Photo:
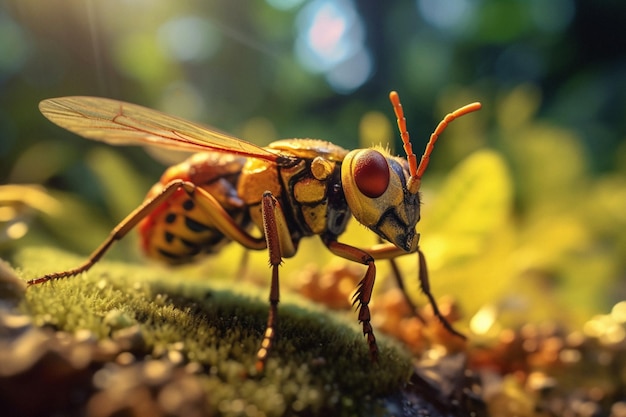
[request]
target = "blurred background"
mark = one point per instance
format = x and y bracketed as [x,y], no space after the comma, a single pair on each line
[524,209]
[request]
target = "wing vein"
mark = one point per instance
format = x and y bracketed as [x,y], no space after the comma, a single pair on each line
[120,123]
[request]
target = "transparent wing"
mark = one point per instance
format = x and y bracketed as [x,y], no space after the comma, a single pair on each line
[120,123]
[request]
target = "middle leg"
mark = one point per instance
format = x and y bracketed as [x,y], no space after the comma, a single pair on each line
[279,244]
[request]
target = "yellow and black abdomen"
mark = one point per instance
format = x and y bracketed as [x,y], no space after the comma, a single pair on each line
[178,230]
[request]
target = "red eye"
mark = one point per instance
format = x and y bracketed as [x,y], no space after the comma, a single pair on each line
[371,173]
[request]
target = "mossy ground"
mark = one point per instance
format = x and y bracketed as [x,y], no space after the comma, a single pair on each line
[320,363]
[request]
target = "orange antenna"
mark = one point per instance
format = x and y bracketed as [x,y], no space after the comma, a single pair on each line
[415,170]
[404,134]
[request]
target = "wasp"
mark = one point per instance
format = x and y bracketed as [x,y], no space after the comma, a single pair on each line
[263,198]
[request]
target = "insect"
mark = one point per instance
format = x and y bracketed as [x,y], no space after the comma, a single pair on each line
[289,190]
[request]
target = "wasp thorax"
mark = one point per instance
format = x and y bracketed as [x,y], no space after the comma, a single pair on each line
[375,186]
[321,168]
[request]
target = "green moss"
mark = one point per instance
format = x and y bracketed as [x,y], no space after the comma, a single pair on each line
[320,362]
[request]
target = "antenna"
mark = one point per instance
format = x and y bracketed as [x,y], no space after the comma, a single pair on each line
[416,171]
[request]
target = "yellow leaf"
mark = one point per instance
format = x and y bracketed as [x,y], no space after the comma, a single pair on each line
[474,201]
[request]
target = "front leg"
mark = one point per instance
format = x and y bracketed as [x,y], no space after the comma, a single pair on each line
[389,251]
[363,293]
[279,244]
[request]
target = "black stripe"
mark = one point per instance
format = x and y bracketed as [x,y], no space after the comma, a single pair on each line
[168,254]
[195,226]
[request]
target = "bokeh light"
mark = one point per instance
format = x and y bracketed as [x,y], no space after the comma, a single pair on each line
[284,4]
[14,48]
[331,41]
[553,16]
[189,38]
[447,15]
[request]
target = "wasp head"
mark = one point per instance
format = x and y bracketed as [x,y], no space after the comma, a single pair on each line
[382,190]
[376,187]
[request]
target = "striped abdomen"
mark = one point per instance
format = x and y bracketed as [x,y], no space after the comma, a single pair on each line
[178,229]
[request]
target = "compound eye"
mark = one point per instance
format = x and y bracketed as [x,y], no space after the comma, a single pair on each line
[371,173]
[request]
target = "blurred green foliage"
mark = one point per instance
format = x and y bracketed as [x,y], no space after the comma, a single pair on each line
[524,203]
